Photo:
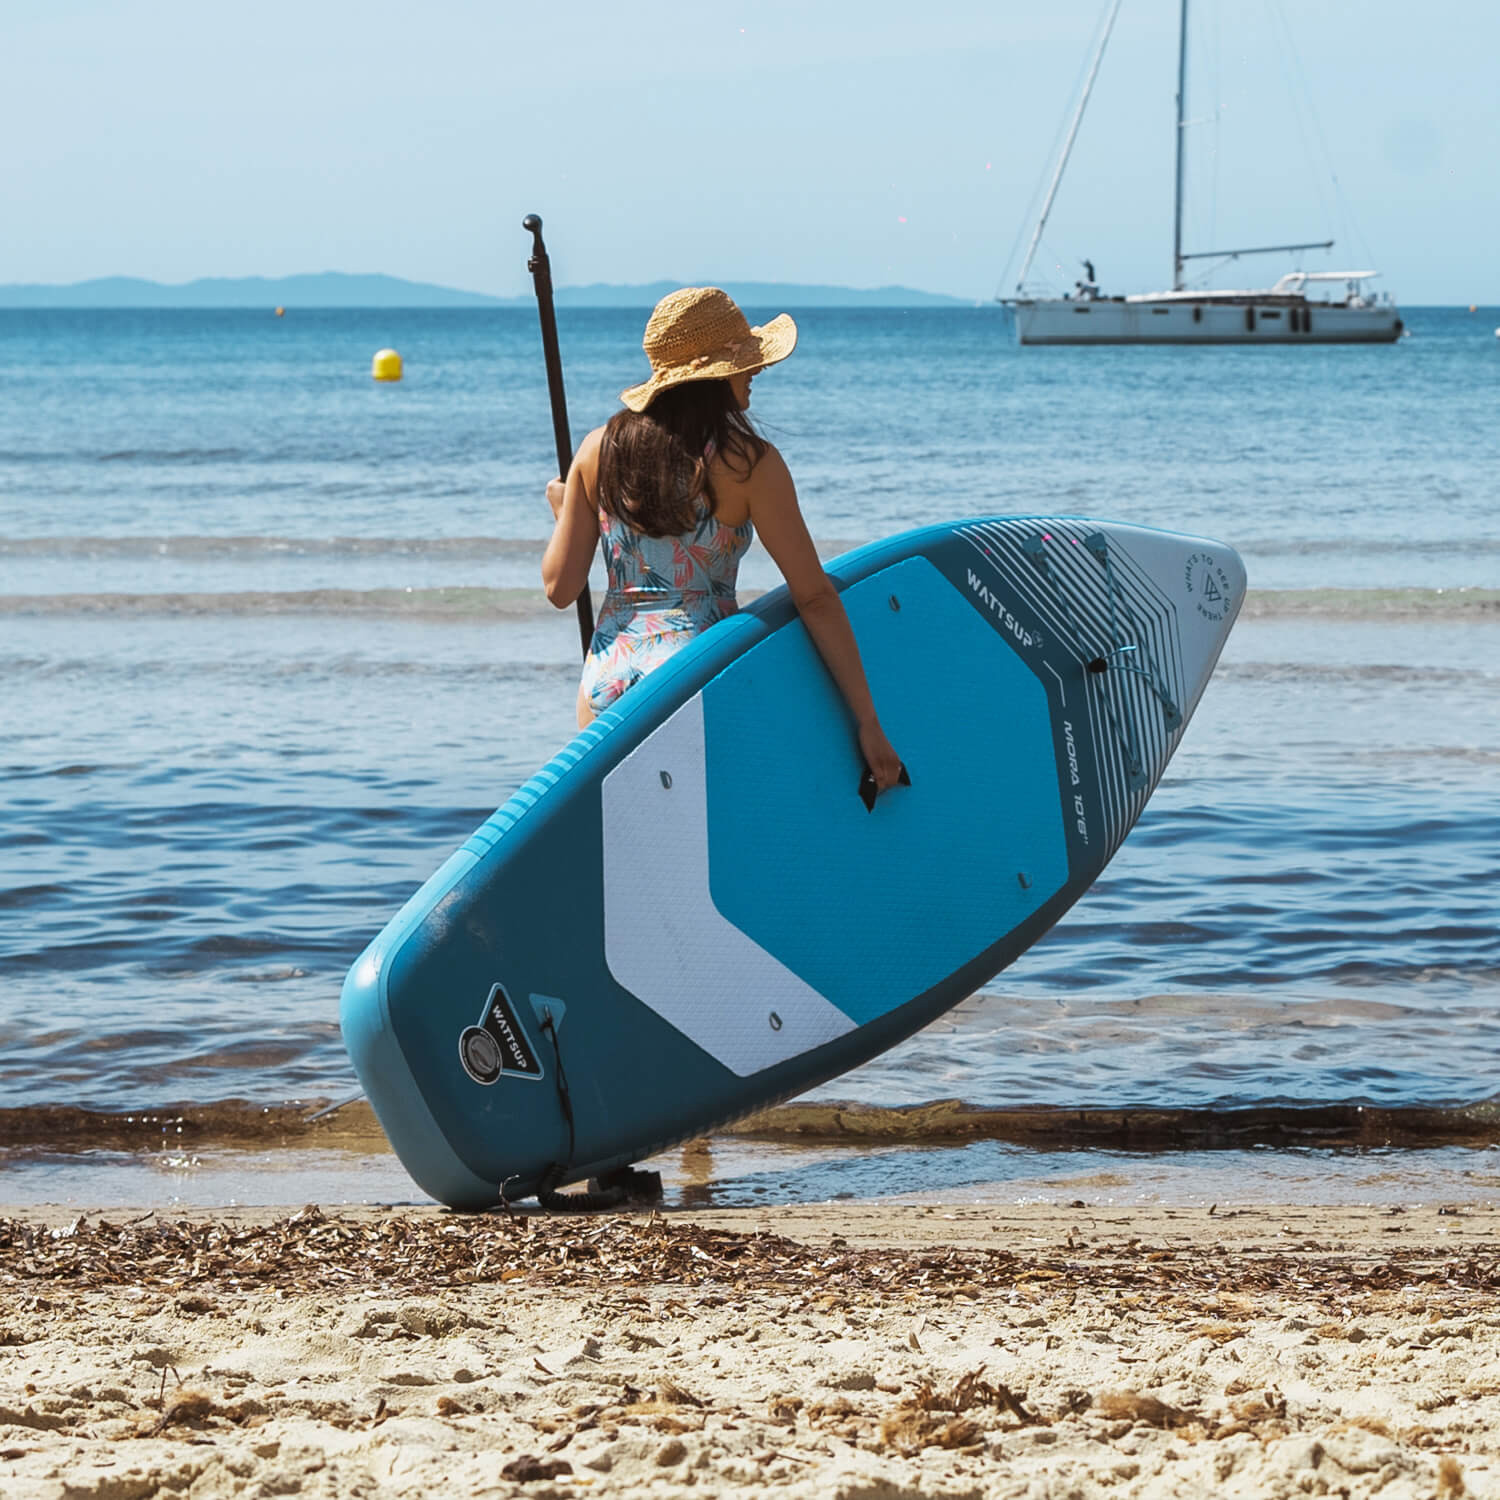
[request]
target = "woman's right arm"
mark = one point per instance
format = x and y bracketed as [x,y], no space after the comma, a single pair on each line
[778,520]
[575,529]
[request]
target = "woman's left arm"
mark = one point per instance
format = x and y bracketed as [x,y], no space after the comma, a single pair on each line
[575,531]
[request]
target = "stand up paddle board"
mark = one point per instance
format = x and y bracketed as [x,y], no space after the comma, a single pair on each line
[692,911]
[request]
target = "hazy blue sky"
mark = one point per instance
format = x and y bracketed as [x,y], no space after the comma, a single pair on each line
[813,140]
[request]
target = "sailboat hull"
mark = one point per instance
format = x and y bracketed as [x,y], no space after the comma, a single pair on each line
[1185,321]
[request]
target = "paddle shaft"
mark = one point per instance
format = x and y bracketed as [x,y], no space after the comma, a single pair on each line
[541,275]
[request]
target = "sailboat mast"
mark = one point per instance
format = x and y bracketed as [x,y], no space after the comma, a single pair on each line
[1062,160]
[1181,130]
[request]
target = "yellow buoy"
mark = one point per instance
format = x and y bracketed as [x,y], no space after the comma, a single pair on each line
[386,365]
[281,312]
[1473,307]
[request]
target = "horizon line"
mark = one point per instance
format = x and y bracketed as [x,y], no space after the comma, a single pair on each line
[271,283]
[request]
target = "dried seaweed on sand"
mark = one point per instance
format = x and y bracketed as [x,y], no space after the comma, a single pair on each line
[310,1251]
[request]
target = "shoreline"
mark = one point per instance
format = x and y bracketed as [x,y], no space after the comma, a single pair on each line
[844,1350]
[239,1155]
[751,1176]
[350,1124]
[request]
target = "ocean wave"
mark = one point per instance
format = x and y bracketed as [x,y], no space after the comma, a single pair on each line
[1367,546]
[452,603]
[172,455]
[471,602]
[350,1124]
[255,547]
[1320,673]
[1371,604]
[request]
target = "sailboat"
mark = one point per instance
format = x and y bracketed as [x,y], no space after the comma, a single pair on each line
[1290,311]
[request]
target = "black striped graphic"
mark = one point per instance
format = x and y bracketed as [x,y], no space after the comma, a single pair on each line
[1076,629]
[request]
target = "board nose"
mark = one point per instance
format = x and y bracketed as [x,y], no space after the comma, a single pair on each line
[1202,580]
[1213,582]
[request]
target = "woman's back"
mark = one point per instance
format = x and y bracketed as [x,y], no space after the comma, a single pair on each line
[662,590]
[672,484]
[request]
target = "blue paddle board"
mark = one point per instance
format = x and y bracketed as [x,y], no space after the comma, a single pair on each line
[691,912]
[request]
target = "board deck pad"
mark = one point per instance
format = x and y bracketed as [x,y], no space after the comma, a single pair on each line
[690,913]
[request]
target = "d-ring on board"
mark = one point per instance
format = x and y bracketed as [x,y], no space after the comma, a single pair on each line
[664,939]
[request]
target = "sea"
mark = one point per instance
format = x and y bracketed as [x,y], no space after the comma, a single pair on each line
[272,643]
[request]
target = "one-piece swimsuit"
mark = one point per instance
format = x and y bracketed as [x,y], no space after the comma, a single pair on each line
[662,592]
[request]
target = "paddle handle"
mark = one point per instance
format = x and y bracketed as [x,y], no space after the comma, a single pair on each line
[869,791]
[541,276]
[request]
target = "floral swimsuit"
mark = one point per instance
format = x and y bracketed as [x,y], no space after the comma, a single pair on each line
[662,592]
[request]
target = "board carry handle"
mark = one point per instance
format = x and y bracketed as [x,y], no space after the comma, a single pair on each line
[868,791]
[541,276]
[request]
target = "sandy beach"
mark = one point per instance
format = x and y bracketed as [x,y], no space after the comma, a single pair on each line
[851,1350]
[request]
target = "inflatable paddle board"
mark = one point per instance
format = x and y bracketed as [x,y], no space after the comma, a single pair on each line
[692,911]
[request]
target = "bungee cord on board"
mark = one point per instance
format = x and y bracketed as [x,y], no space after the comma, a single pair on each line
[1122,723]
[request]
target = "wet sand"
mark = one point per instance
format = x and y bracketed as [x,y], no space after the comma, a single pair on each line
[852,1350]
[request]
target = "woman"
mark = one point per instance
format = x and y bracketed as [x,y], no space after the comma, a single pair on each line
[677,485]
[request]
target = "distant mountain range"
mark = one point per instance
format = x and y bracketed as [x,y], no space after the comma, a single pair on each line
[336,289]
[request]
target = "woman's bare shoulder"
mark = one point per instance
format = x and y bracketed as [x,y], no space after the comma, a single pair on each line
[586,459]
[769,466]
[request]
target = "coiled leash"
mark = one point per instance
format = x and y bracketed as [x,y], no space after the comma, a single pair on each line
[1097,546]
[1123,727]
[622,1187]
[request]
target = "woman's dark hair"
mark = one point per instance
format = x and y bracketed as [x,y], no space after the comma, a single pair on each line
[653,465]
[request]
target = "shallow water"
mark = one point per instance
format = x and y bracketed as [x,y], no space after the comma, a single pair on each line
[272,647]
[738,1174]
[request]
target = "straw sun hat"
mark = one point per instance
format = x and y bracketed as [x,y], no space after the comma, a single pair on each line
[699,334]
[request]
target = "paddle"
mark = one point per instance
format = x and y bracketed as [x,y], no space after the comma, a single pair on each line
[541,272]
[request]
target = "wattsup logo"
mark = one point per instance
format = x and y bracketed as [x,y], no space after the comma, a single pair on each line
[1208,584]
[497,1045]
